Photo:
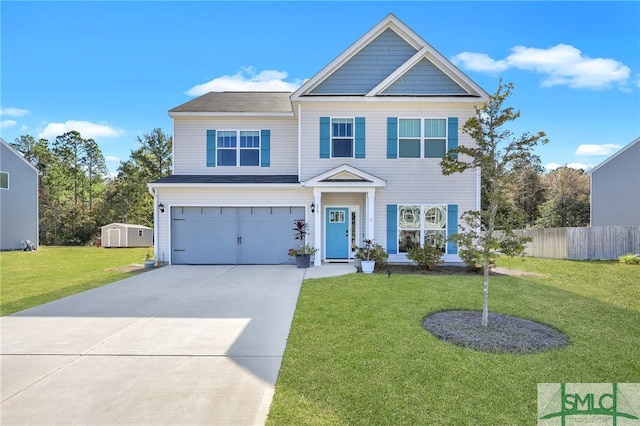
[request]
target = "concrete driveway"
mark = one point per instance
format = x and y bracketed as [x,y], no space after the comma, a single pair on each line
[179,345]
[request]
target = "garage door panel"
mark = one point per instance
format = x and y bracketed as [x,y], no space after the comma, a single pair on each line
[203,235]
[267,234]
[231,235]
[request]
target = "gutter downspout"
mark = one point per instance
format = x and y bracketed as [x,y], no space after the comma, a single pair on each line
[154,193]
[299,141]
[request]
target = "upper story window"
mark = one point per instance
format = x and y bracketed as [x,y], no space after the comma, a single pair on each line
[422,137]
[4,180]
[342,137]
[238,148]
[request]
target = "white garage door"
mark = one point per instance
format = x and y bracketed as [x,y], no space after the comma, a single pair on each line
[233,235]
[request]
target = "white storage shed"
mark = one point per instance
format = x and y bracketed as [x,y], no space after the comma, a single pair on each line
[126,235]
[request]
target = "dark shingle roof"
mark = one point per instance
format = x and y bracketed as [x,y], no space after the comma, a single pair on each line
[228,179]
[259,102]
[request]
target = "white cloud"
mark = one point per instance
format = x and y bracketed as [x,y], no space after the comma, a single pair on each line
[112,158]
[578,166]
[247,80]
[479,62]
[587,150]
[7,123]
[14,112]
[561,65]
[86,128]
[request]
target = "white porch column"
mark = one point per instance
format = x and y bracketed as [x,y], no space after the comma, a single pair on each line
[317,197]
[371,196]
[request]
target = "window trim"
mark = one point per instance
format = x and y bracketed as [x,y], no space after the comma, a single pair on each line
[7,175]
[352,137]
[423,138]
[238,149]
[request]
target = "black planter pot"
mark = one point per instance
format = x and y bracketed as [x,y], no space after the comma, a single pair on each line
[303,260]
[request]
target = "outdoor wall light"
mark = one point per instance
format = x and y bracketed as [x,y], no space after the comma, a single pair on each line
[313,208]
[161,207]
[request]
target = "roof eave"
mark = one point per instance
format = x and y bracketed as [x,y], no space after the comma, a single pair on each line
[176,114]
[152,185]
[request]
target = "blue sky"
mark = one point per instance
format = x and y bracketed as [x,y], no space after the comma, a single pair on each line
[112,70]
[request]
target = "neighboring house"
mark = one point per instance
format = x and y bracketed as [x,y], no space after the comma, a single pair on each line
[18,199]
[615,189]
[355,152]
[126,235]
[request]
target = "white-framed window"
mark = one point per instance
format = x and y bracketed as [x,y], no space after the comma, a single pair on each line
[4,180]
[139,232]
[422,224]
[422,137]
[342,137]
[238,147]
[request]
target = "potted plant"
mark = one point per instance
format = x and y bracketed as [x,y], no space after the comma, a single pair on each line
[149,261]
[370,255]
[368,264]
[302,254]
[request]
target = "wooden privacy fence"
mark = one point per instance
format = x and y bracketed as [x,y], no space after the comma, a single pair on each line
[593,243]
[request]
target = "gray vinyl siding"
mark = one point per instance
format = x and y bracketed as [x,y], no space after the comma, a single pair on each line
[615,190]
[190,145]
[19,203]
[408,180]
[370,66]
[425,79]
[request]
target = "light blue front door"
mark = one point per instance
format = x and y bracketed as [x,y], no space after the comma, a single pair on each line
[337,234]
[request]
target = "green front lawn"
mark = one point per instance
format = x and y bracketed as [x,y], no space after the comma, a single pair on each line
[358,355]
[32,278]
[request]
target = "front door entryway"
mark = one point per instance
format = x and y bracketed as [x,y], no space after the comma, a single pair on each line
[337,232]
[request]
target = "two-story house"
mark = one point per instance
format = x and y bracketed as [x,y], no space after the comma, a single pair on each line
[18,199]
[355,152]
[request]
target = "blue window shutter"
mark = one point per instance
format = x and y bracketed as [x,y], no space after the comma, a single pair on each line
[392,228]
[360,137]
[325,137]
[452,227]
[265,148]
[211,148]
[392,137]
[452,134]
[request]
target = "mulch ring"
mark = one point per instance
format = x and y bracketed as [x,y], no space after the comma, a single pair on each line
[503,334]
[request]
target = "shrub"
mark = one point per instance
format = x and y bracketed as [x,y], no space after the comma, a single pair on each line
[630,259]
[426,257]
[380,255]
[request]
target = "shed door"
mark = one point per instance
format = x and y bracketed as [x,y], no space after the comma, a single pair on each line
[113,238]
[233,235]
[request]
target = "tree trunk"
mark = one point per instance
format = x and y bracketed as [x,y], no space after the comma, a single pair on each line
[485,292]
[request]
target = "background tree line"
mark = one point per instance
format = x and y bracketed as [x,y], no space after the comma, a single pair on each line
[78,196]
[77,193]
[559,198]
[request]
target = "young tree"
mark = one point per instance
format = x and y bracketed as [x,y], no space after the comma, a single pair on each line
[499,155]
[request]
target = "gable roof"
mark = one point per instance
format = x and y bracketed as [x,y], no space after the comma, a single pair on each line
[234,103]
[398,62]
[345,175]
[620,152]
[19,155]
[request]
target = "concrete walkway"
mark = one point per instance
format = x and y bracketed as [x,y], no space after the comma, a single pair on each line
[179,345]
